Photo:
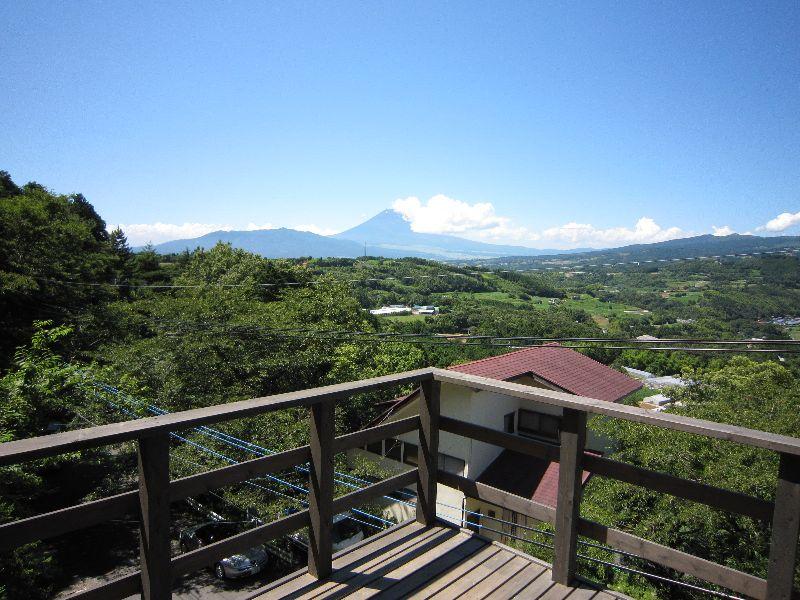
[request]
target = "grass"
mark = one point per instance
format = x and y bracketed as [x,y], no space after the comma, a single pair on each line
[599,309]
[601,312]
[405,318]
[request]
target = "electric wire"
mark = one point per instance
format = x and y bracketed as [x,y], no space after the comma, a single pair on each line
[463,521]
[479,526]
[487,271]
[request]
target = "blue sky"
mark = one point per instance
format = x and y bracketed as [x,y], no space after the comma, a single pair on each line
[549,125]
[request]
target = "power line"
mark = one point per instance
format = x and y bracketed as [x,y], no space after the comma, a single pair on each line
[232,441]
[192,326]
[495,342]
[199,325]
[487,271]
[583,263]
[332,279]
[646,574]
[243,445]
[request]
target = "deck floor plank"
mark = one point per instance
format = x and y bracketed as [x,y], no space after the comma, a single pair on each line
[535,579]
[477,573]
[352,577]
[439,568]
[293,586]
[437,584]
[495,580]
[402,568]
[413,562]
[555,592]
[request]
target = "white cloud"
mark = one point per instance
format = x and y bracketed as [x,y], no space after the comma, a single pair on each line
[257,227]
[315,229]
[781,223]
[142,233]
[721,231]
[645,231]
[442,214]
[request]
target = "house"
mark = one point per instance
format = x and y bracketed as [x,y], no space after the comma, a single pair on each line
[425,310]
[551,367]
[392,309]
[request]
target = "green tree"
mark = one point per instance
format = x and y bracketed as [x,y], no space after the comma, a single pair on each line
[52,256]
[40,392]
[758,395]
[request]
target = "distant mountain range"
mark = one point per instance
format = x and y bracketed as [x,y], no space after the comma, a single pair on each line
[388,234]
[691,247]
[389,231]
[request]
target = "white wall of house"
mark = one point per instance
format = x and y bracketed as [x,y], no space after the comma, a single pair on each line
[474,406]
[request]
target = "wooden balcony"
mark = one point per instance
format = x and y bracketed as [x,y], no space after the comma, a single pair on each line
[417,562]
[424,555]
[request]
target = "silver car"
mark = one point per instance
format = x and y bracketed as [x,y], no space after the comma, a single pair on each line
[242,564]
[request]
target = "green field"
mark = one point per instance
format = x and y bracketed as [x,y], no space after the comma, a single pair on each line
[602,312]
[405,318]
[598,308]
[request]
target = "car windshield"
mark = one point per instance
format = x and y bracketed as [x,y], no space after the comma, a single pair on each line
[217,531]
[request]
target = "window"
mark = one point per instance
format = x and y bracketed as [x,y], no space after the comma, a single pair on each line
[538,424]
[375,448]
[451,464]
[474,521]
[410,453]
[508,423]
[393,449]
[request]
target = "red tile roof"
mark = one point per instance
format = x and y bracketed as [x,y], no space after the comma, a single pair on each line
[525,476]
[563,367]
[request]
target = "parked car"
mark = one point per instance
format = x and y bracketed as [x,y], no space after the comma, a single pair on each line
[248,562]
[344,534]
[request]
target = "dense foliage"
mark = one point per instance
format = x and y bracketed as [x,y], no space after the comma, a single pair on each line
[84,344]
[763,396]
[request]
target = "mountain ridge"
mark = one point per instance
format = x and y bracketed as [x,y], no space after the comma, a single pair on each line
[706,245]
[390,225]
[389,235]
[386,234]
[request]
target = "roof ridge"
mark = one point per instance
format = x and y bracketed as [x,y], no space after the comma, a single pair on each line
[519,351]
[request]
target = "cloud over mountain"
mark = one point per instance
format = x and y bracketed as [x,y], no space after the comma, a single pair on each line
[141,233]
[781,223]
[442,214]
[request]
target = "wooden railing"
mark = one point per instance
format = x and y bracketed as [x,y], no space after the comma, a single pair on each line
[156,491]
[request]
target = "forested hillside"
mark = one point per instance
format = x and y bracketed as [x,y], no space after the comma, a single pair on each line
[94,333]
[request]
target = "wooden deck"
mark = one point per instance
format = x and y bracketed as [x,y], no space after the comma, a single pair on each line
[411,561]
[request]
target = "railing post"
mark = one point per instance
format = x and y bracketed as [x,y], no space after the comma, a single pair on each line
[320,496]
[154,529]
[428,462]
[573,441]
[785,523]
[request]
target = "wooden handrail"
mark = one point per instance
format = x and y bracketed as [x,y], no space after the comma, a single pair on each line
[156,492]
[712,496]
[570,491]
[722,431]
[428,456]
[73,518]
[737,581]
[59,443]
[196,559]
